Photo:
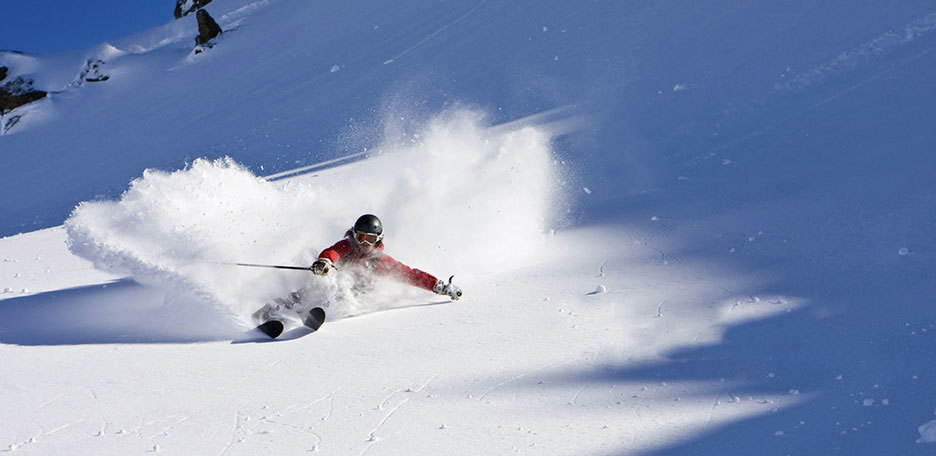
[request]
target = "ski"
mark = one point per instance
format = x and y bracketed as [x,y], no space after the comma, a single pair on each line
[272,328]
[315,318]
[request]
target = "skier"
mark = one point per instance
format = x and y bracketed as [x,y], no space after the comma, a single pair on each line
[361,253]
[363,247]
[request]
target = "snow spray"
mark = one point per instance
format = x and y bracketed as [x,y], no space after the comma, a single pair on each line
[459,199]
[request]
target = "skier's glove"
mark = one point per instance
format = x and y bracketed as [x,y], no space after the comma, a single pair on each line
[322,266]
[448,289]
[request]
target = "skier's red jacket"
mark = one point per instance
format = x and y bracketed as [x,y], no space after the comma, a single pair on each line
[345,252]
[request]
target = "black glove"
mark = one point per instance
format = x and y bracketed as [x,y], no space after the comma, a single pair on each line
[443,288]
[322,266]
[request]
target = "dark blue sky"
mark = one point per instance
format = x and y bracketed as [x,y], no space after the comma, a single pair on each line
[36,27]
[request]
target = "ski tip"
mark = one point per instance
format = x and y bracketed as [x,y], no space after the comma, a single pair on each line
[318,312]
[315,319]
[272,328]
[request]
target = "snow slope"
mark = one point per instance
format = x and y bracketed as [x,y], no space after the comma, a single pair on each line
[681,229]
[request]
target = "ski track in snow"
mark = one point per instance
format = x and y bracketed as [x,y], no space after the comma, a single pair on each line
[884,44]
[281,418]
[234,429]
[433,34]
[663,229]
[165,431]
[50,401]
[373,438]
[845,62]
[499,385]
[374,435]
[579,393]
[865,82]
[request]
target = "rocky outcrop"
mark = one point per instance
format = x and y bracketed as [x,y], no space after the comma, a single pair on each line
[208,29]
[93,71]
[13,94]
[186,7]
[17,92]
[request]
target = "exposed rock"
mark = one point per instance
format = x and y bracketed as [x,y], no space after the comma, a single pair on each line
[208,29]
[92,72]
[3,72]
[186,7]
[17,92]
[9,123]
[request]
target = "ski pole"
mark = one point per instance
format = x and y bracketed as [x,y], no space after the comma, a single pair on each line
[275,266]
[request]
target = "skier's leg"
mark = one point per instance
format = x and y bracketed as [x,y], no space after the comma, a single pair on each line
[291,302]
[264,313]
[275,308]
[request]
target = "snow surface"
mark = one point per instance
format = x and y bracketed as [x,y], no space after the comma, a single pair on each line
[680,229]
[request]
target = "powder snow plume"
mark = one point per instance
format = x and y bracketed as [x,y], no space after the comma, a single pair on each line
[461,199]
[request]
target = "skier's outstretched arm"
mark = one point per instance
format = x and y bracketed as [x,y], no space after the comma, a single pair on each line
[415,277]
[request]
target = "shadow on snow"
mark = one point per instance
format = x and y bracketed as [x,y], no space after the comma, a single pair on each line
[116,312]
[831,197]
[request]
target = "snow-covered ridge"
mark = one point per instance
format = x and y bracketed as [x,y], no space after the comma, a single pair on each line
[55,73]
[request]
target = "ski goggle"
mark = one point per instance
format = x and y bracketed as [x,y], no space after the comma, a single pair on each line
[367,238]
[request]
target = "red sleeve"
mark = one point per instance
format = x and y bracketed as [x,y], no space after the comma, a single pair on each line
[337,251]
[415,277]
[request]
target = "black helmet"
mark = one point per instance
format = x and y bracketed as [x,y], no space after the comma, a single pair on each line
[368,223]
[367,231]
